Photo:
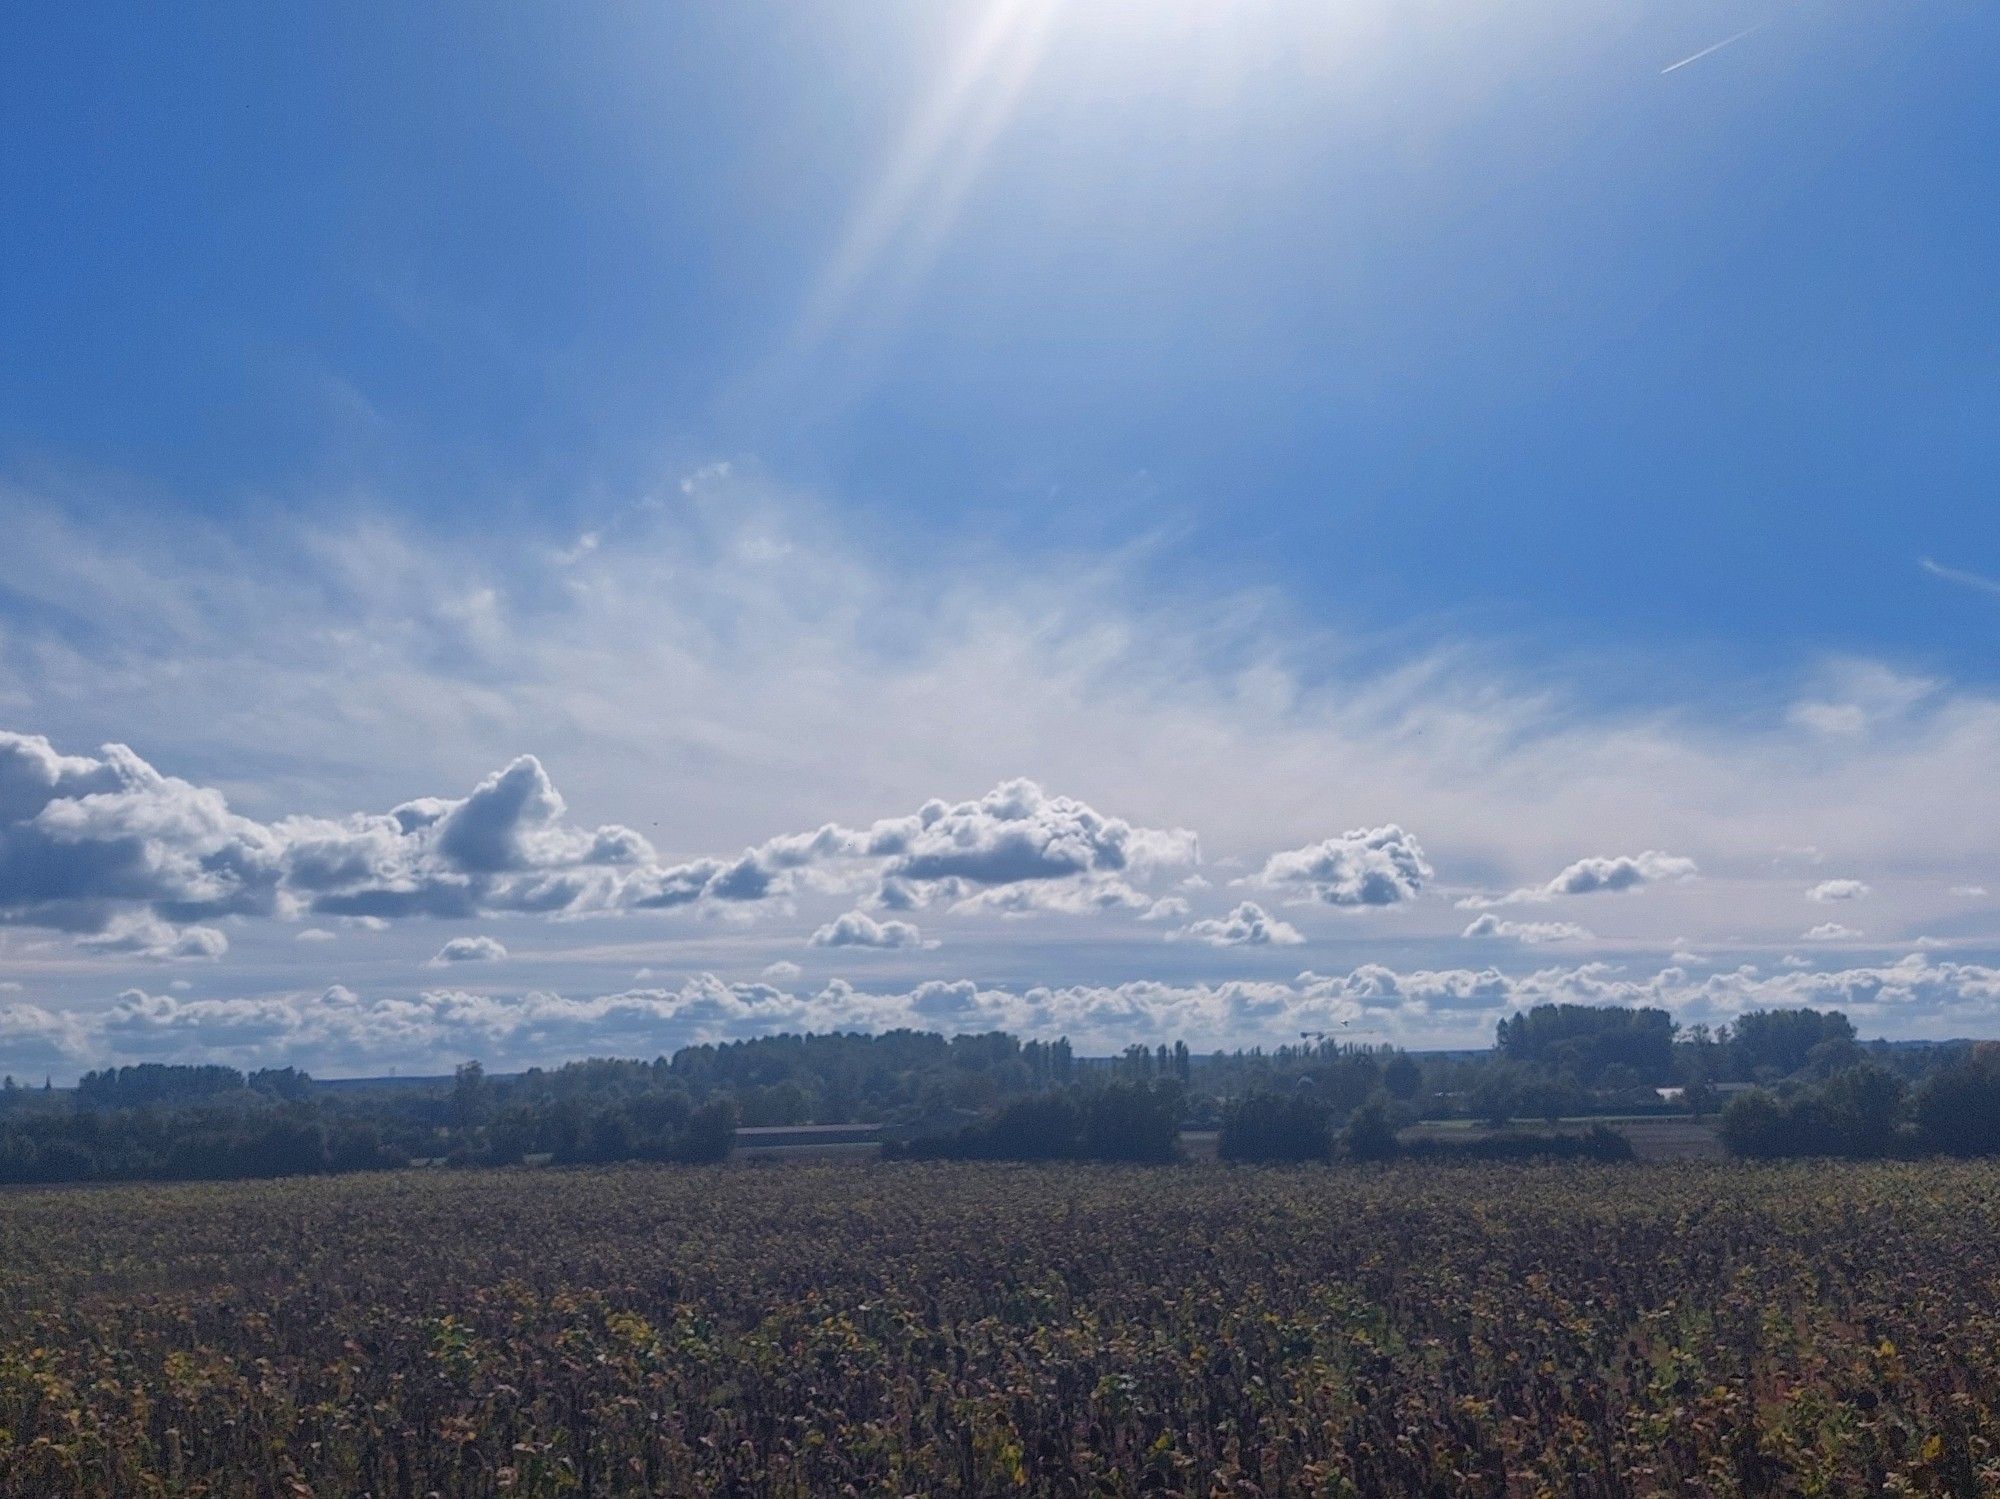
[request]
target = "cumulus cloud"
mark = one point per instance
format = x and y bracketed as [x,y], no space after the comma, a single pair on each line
[783,970]
[1249,925]
[469,950]
[792,673]
[1598,874]
[1363,867]
[338,1030]
[859,929]
[1087,896]
[314,934]
[37,1040]
[1533,932]
[89,841]
[1829,931]
[109,848]
[1839,890]
[155,941]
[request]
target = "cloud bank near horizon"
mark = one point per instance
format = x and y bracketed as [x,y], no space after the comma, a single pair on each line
[724,661]
[338,1031]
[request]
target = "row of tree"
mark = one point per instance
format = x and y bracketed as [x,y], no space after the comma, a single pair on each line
[1866,1110]
[1825,1094]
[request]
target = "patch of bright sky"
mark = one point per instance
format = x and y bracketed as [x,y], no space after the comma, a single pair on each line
[1444,317]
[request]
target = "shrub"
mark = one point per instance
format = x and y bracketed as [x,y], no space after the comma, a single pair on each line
[1371,1133]
[1120,1122]
[1271,1127]
[1854,1113]
[1958,1107]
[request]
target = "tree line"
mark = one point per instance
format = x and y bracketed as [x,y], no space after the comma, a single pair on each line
[1816,1090]
[1866,1110]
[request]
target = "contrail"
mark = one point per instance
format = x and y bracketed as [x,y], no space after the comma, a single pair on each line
[1958,575]
[1728,41]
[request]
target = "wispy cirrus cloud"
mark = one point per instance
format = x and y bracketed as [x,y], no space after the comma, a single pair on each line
[1960,576]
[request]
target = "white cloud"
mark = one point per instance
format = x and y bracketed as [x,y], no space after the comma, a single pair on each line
[1532,932]
[1964,577]
[469,950]
[1863,697]
[794,679]
[1971,892]
[1830,931]
[89,842]
[1249,925]
[314,934]
[859,929]
[1364,867]
[783,970]
[1839,890]
[35,1040]
[111,848]
[1596,875]
[1089,895]
[338,1030]
[155,941]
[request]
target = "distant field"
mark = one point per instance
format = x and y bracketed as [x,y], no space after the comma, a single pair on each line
[1654,1137]
[860,1328]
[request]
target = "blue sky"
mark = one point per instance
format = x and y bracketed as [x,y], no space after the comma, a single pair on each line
[1270,420]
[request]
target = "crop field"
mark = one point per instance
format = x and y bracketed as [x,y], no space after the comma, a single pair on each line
[844,1328]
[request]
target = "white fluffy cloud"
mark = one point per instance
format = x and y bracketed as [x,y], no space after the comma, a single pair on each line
[1839,890]
[723,662]
[1364,867]
[337,1030]
[110,848]
[1091,895]
[146,937]
[93,844]
[1532,932]
[859,929]
[1597,875]
[1830,931]
[469,950]
[1249,925]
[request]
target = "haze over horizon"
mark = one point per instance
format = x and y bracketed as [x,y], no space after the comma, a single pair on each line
[1187,521]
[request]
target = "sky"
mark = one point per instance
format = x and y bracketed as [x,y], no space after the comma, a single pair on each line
[595,528]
